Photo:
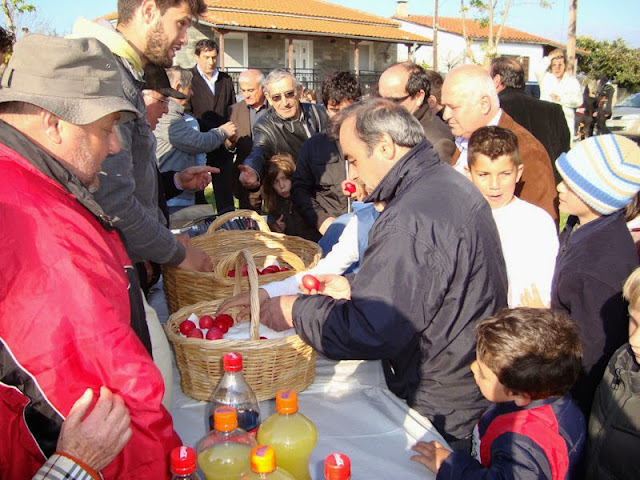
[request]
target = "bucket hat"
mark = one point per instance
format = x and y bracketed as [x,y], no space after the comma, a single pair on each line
[77,80]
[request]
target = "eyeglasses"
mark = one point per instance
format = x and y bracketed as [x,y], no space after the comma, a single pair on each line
[278,96]
[162,98]
[397,100]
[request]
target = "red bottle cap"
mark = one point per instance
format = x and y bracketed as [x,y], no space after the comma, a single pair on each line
[337,466]
[183,460]
[232,362]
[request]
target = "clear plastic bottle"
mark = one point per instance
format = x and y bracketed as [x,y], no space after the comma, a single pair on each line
[292,435]
[234,391]
[337,466]
[263,465]
[225,452]
[183,463]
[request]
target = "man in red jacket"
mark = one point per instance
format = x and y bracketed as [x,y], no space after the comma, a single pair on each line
[71,314]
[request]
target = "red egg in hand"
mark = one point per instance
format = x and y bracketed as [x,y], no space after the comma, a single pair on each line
[350,187]
[187,326]
[205,322]
[214,333]
[195,333]
[311,283]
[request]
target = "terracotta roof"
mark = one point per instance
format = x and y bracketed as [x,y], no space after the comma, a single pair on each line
[303,17]
[475,30]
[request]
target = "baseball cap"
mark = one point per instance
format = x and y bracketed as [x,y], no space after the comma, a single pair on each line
[155,78]
[77,80]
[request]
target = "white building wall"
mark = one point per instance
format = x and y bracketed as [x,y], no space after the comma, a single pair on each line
[451,49]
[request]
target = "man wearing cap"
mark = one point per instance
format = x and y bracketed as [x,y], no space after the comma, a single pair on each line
[69,296]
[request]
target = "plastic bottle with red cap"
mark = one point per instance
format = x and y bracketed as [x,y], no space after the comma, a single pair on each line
[225,452]
[263,465]
[292,435]
[337,466]
[234,391]
[183,463]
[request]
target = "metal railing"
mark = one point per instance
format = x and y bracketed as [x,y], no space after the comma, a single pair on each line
[313,77]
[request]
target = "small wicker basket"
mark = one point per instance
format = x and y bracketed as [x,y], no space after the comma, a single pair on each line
[186,287]
[268,365]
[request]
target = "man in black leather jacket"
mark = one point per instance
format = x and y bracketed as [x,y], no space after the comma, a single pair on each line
[283,129]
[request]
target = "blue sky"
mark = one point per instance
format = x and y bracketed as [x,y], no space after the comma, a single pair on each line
[618,19]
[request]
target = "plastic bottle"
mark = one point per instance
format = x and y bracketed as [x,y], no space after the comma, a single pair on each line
[225,453]
[337,466]
[234,391]
[292,435]
[183,463]
[263,465]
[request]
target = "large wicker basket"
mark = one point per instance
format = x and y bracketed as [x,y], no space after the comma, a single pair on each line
[268,365]
[186,287]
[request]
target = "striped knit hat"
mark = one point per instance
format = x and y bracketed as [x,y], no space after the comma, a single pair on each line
[604,171]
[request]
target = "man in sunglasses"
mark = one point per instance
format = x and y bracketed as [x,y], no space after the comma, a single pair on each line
[407,84]
[283,129]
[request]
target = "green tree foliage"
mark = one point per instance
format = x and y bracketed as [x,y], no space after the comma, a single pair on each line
[13,9]
[615,59]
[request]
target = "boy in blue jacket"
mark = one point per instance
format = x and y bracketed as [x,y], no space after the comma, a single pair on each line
[526,361]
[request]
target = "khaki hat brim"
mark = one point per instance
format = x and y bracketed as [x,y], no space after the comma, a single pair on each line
[77,111]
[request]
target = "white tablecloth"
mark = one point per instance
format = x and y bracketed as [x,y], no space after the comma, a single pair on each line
[354,412]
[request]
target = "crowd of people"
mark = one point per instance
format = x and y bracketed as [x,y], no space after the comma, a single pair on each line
[437,197]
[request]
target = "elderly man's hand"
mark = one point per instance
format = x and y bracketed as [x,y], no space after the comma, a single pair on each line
[248,177]
[102,435]
[242,300]
[231,130]
[332,285]
[195,178]
[277,313]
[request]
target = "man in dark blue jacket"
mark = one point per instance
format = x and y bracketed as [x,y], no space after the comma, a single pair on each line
[432,270]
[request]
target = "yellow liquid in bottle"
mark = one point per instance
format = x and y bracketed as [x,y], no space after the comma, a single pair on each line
[225,461]
[293,437]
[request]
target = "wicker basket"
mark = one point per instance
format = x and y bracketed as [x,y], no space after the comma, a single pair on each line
[186,287]
[268,365]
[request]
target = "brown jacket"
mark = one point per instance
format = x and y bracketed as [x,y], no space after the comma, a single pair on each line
[537,184]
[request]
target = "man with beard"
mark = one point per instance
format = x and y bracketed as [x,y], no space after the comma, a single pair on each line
[147,31]
[70,301]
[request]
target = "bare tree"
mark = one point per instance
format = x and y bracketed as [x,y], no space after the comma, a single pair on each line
[486,12]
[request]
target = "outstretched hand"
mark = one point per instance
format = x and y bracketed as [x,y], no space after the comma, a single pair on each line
[103,433]
[248,177]
[196,177]
[532,298]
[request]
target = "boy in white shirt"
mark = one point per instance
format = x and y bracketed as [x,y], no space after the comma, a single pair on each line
[528,234]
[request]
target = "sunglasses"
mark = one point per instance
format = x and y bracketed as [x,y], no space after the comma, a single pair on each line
[278,96]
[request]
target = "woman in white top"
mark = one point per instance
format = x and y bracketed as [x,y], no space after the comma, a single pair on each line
[557,86]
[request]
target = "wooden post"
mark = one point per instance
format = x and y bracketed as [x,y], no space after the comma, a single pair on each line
[221,52]
[356,57]
[435,36]
[571,41]
[290,53]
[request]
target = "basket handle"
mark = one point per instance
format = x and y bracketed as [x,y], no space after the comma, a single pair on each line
[224,218]
[254,300]
[224,265]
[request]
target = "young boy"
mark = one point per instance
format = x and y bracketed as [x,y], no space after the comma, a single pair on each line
[614,427]
[526,361]
[528,234]
[601,175]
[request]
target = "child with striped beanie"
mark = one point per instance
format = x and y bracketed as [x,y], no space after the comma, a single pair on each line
[600,176]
